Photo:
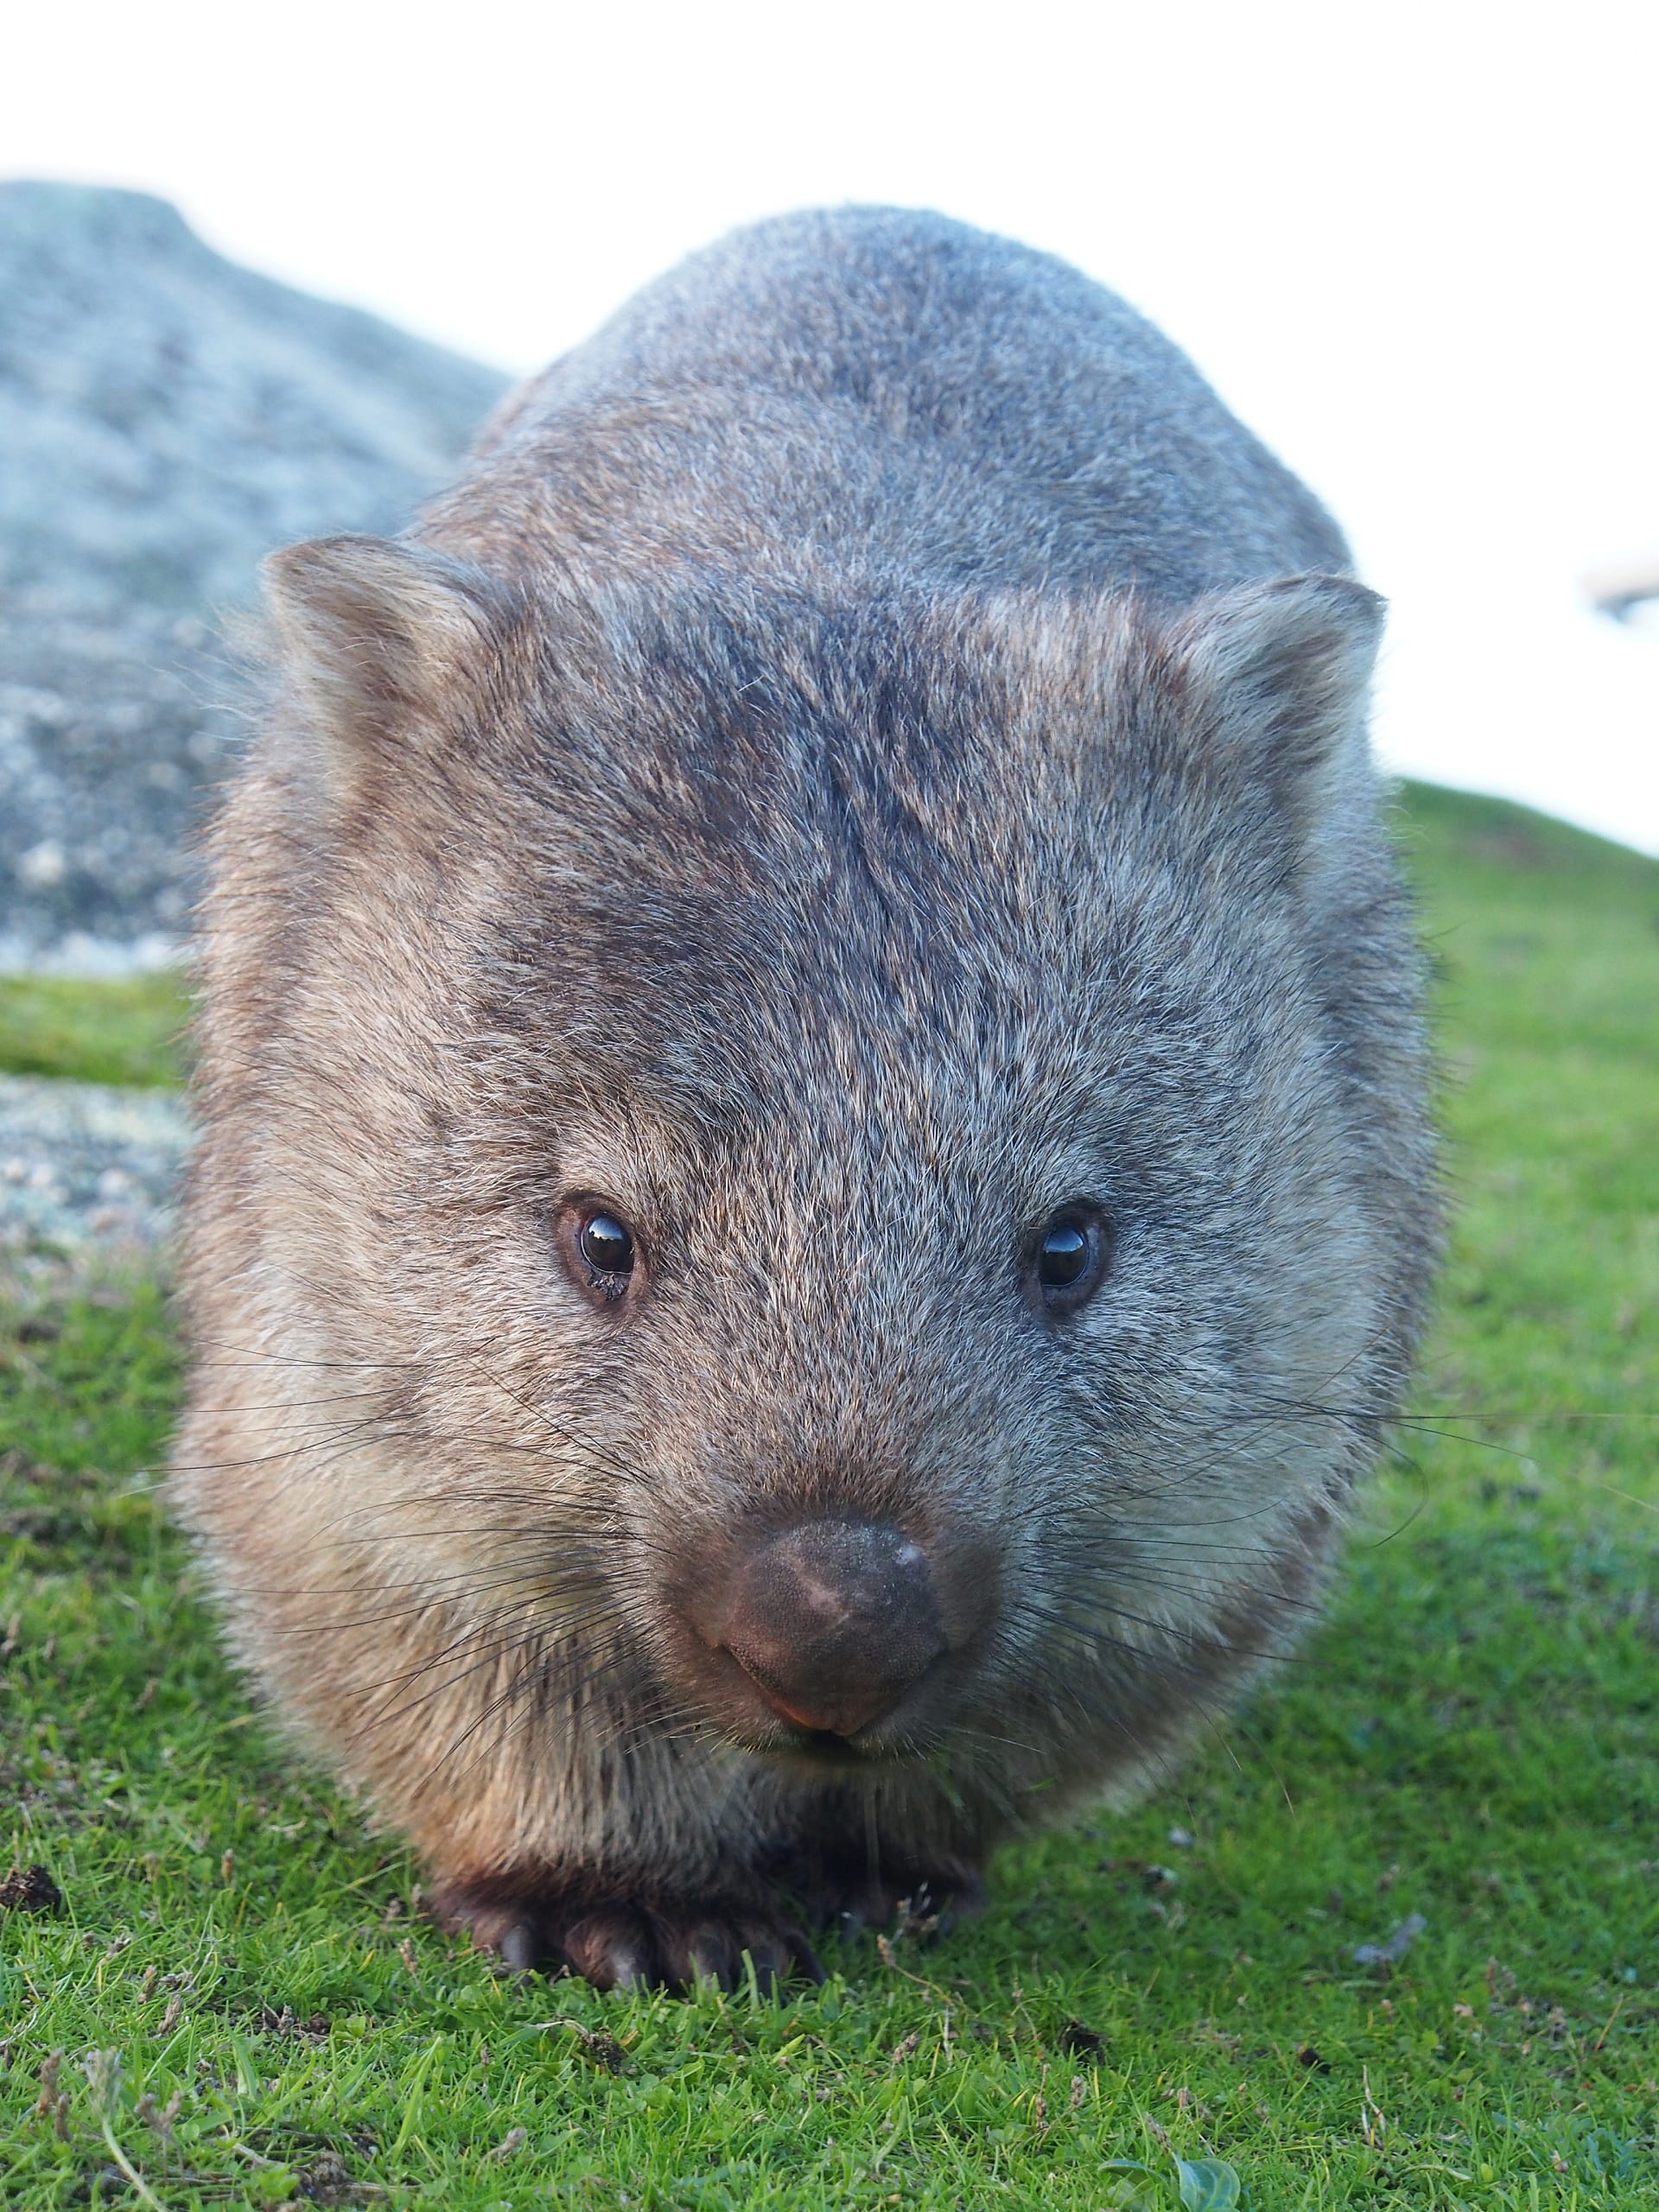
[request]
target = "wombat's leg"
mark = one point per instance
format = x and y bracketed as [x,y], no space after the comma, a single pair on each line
[620,1941]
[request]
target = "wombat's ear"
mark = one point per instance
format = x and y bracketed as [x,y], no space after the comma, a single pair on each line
[1274,679]
[375,636]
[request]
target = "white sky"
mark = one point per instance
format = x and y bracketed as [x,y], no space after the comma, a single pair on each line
[1414,245]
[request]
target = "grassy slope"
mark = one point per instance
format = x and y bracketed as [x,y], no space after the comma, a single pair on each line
[126,1032]
[1470,1737]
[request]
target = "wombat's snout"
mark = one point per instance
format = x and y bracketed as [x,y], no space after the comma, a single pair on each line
[832,1621]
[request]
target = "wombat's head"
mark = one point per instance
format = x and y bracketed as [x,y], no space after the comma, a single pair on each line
[878,1139]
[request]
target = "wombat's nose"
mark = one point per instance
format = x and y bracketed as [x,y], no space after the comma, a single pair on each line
[833,1621]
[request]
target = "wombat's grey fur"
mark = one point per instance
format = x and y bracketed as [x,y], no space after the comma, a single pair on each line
[814,1180]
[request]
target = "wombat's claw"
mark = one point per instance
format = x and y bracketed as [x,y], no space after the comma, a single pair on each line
[617,1944]
[921,1916]
[920,1906]
[624,1947]
[518,1948]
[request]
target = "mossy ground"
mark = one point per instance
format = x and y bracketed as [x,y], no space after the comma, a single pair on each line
[247,2009]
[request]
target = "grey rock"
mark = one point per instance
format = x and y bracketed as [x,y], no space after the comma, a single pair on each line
[87,1177]
[165,419]
[1390,1952]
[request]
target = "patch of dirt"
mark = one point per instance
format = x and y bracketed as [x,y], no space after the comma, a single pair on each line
[327,2179]
[596,2047]
[280,2020]
[30,1888]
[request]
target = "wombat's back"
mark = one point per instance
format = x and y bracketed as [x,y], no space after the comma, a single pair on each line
[887,393]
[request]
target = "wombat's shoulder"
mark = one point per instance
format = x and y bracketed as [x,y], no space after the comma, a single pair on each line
[972,409]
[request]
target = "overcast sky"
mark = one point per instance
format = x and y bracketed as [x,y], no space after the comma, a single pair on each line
[1413,246]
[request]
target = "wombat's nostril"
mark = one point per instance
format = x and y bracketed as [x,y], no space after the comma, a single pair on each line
[833,1621]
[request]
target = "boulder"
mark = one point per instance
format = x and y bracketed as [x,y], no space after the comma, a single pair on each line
[166,418]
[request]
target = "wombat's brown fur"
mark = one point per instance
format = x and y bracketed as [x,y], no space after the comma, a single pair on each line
[814,1181]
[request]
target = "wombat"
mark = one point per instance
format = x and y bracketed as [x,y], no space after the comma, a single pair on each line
[814,1179]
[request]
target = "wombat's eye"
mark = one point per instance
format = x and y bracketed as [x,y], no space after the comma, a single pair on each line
[1070,1258]
[606,1244]
[1064,1256]
[600,1251]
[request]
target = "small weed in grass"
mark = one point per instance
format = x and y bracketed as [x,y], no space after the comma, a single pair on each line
[91,1384]
[1392,1941]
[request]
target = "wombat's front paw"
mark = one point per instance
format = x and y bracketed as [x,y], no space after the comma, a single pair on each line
[619,1942]
[842,1892]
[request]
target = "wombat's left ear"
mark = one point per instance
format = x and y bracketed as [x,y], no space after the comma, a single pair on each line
[1273,681]
[378,637]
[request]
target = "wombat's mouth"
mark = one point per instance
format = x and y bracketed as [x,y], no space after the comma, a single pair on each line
[820,1751]
[819,1748]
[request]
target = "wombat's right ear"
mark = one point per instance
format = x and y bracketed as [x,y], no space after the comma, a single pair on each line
[1273,678]
[376,636]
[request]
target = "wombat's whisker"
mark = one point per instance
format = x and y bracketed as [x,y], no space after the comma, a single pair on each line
[1089,1630]
[489,1711]
[239,1352]
[483,1644]
[336,1438]
[540,1414]
[429,1601]
[1270,1593]
[523,1643]
[482,1652]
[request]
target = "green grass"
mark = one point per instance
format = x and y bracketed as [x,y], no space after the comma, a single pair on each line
[120,1032]
[1471,1737]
